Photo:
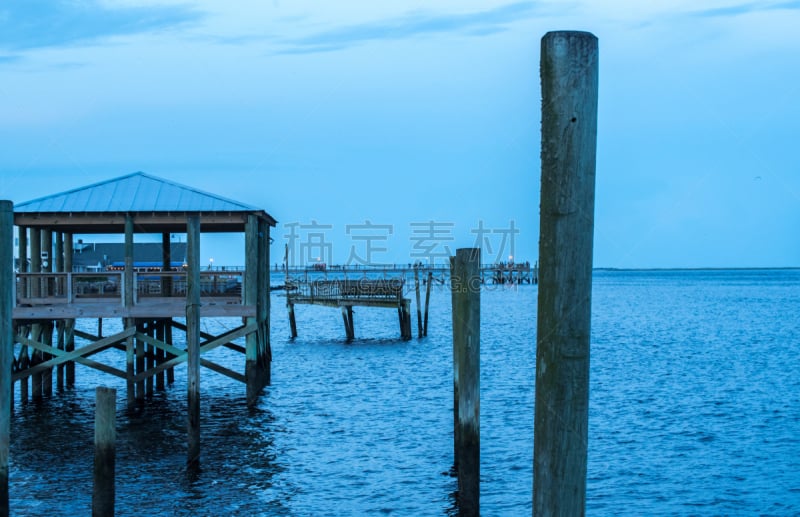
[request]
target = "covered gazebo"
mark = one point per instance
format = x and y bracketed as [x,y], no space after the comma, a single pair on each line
[49,296]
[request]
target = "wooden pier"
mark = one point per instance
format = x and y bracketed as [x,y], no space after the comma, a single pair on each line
[49,297]
[347,293]
[509,273]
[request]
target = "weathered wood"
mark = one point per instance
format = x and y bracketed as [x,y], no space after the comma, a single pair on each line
[465,283]
[178,356]
[7,282]
[569,76]
[130,362]
[263,305]
[161,354]
[145,308]
[150,359]
[75,355]
[193,337]
[36,291]
[347,316]
[105,454]
[427,301]
[127,277]
[139,366]
[168,339]
[69,346]
[420,332]
[166,263]
[251,298]
[292,321]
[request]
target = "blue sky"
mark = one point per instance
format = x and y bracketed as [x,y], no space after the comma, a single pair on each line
[395,132]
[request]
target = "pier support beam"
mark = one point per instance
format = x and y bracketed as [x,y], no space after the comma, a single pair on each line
[193,337]
[569,65]
[465,285]
[7,281]
[256,292]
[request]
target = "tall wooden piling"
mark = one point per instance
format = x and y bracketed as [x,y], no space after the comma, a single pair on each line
[427,302]
[69,325]
[105,454]
[36,292]
[419,309]
[193,337]
[569,71]
[465,285]
[7,281]
[127,300]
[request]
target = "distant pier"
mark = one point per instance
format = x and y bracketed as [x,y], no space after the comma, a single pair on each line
[499,273]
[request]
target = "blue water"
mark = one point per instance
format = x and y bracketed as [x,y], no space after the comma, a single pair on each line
[695,410]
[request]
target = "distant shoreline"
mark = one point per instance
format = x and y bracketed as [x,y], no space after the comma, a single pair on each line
[783,268]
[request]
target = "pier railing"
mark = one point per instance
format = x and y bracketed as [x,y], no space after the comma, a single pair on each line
[108,286]
[341,289]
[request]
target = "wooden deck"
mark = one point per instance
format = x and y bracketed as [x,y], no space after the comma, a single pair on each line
[52,296]
[346,294]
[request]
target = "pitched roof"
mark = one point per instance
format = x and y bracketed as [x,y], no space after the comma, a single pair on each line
[155,204]
[137,192]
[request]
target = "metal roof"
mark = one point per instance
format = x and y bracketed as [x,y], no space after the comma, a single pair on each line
[156,205]
[137,192]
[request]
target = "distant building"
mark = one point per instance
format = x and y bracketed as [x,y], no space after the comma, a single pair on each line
[103,256]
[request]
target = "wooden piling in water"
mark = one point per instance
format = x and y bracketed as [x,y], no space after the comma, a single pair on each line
[427,302]
[36,292]
[127,301]
[292,321]
[103,493]
[7,282]
[420,332]
[161,354]
[569,74]
[69,324]
[465,285]
[347,316]
[193,337]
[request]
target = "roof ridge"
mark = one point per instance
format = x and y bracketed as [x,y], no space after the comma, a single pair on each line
[143,175]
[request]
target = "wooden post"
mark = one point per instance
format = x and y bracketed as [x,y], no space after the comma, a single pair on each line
[127,302]
[168,339]
[25,292]
[160,354]
[262,314]
[465,284]
[292,322]
[420,332]
[569,65]
[150,358]
[166,264]
[347,316]
[61,287]
[427,302]
[251,267]
[36,292]
[139,368]
[7,301]
[105,453]
[193,336]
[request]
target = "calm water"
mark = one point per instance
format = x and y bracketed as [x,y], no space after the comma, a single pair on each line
[695,410]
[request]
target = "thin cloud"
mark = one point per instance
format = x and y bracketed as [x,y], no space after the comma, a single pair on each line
[750,7]
[35,24]
[479,23]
